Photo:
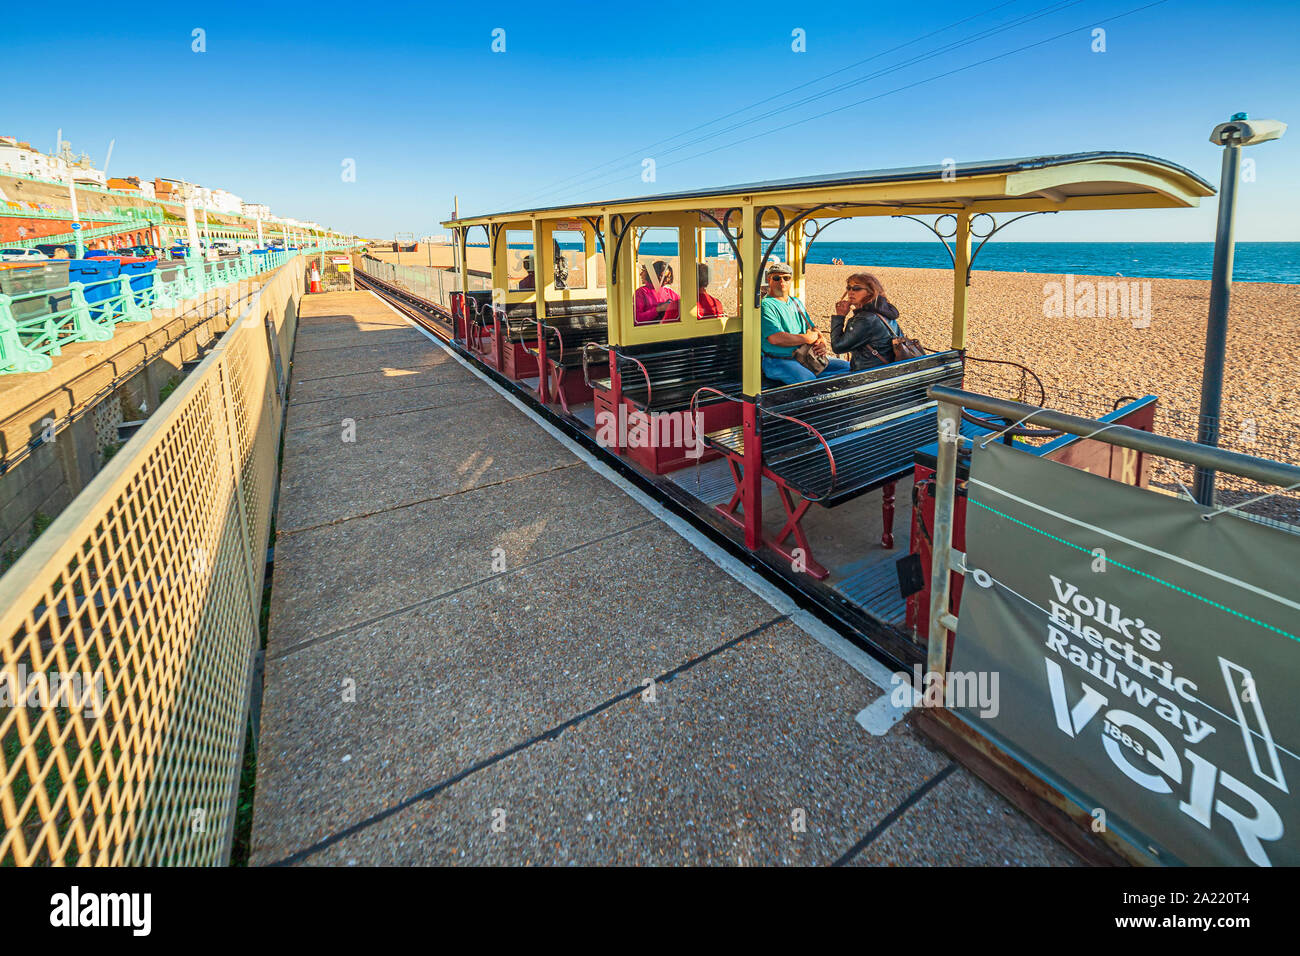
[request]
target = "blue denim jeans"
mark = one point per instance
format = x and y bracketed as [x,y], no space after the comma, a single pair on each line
[790,372]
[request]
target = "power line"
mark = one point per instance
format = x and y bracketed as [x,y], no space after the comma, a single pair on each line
[774,96]
[1055,7]
[930,79]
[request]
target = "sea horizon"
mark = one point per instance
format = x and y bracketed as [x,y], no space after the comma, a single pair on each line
[1253,261]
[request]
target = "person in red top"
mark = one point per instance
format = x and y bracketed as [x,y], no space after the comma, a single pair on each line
[707,306]
[655,301]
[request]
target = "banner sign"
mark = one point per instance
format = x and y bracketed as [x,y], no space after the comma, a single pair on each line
[1146,657]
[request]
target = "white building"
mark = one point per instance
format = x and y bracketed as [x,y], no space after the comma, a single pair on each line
[19,159]
[227,202]
[256,210]
[87,175]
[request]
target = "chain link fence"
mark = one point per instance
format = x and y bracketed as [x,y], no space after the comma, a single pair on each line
[432,285]
[128,630]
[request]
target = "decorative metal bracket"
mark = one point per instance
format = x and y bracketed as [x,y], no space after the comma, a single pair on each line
[993,229]
[783,228]
[464,240]
[594,222]
[621,226]
[813,228]
[494,231]
[724,226]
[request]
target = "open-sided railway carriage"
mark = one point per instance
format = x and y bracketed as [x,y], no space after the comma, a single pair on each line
[790,471]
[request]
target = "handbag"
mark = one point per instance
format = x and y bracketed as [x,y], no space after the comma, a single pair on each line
[903,346]
[810,360]
[804,354]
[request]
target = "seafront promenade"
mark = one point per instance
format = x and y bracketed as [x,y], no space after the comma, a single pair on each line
[483,650]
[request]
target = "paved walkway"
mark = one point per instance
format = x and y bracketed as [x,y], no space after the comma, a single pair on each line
[463,623]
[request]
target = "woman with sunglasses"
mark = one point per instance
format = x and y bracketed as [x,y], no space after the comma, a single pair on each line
[865,323]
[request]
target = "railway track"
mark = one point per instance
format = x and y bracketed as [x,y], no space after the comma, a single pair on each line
[883,642]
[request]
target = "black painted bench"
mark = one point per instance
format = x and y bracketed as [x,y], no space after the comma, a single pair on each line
[564,334]
[663,376]
[658,379]
[833,439]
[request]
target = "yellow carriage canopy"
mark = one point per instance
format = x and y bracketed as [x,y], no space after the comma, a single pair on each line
[753,218]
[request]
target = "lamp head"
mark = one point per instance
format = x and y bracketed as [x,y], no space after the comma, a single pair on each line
[1241,130]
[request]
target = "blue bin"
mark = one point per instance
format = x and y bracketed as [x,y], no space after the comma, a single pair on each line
[88,271]
[140,269]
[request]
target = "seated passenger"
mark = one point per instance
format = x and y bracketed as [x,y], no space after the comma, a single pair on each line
[655,302]
[528,282]
[706,305]
[867,333]
[785,327]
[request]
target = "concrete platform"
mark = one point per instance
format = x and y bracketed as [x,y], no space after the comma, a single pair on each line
[483,651]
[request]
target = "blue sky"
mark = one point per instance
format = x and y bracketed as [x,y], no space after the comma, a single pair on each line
[415,96]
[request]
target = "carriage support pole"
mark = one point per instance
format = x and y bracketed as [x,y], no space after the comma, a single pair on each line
[941,561]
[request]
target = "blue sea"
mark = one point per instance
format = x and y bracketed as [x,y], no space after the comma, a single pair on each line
[1254,261]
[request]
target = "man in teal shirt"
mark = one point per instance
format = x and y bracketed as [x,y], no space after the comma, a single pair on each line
[786,326]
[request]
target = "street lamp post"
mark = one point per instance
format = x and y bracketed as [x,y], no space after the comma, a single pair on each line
[1232,136]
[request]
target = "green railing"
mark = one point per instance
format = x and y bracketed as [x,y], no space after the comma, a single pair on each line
[35,326]
[64,238]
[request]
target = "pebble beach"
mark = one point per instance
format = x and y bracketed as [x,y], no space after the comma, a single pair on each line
[1087,361]
[1107,356]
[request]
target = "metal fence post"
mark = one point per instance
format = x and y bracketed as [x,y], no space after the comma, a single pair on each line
[85,327]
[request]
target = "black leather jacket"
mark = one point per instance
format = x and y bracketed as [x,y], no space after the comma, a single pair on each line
[866,327]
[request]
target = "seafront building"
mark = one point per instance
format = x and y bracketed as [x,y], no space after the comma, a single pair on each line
[19,158]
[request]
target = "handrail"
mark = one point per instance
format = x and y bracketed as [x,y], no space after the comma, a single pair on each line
[477,326]
[1025,370]
[523,339]
[541,342]
[585,365]
[544,361]
[1262,470]
[765,411]
[29,343]
[644,371]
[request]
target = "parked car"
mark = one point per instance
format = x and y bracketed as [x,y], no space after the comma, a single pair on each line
[21,255]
